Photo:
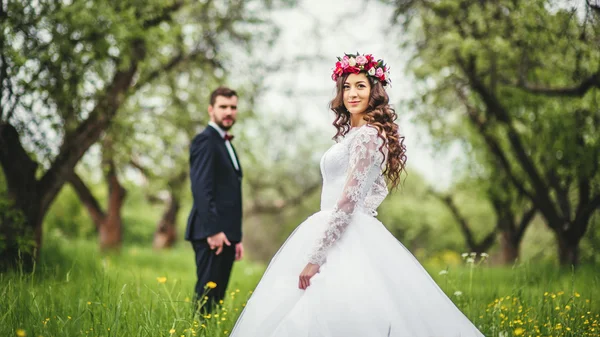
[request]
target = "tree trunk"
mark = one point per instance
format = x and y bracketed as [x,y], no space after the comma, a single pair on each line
[20,235]
[21,217]
[511,247]
[111,228]
[568,250]
[166,234]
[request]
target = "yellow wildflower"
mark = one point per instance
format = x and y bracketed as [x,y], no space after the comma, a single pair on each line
[161,279]
[519,331]
[21,333]
[211,285]
[172,331]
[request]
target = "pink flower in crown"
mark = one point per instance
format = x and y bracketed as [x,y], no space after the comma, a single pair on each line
[361,60]
[338,71]
[379,72]
[345,63]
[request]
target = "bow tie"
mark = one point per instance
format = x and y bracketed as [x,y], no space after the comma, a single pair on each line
[228,137]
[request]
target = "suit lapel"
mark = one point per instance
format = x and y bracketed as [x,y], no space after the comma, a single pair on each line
[238,160]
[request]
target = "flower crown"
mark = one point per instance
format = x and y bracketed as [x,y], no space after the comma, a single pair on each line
[356,63]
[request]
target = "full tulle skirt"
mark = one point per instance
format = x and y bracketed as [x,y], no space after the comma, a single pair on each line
[371,285]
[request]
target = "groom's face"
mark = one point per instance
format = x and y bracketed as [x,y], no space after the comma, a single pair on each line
[224,111]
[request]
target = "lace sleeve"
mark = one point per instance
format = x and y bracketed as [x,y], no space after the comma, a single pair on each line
[364,168]
[376,195]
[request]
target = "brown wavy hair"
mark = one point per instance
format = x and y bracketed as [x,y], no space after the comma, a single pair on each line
[380,115]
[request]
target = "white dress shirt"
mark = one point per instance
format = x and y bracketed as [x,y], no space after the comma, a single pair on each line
[227,144]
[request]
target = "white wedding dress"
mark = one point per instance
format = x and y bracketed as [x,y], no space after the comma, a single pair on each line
[369,284]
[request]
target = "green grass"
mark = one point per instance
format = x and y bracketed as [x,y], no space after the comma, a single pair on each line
[75,291]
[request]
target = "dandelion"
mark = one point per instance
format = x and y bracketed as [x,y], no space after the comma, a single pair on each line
[21,333]
[161,279]
[172,331]
[519,331]
[211,285]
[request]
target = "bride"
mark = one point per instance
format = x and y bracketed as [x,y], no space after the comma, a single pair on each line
[341,273]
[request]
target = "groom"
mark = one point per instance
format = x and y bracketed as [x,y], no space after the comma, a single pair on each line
[214,226]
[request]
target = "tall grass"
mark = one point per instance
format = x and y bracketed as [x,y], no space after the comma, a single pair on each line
[75,291]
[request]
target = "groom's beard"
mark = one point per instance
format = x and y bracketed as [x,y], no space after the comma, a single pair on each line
[225,123]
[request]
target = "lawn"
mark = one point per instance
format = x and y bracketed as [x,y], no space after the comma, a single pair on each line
[76,291]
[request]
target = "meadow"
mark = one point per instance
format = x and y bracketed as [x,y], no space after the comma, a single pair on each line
[76,291]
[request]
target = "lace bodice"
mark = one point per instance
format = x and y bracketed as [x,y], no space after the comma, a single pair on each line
[352,181]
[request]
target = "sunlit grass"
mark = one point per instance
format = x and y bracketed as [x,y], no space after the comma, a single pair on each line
[75,291]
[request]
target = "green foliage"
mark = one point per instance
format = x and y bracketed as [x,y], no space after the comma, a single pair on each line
[68,218]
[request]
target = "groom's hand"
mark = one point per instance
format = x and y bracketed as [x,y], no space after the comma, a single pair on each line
[216,242]
[239,251]
[309,271]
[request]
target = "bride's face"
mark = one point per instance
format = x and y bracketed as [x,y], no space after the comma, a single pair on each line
[357,91]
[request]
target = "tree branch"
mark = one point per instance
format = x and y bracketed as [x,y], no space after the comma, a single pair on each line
[88,132]
[143,170]
[542,197]
[595,7]
[174,62]
[462,221]
[164,16]
[525,221]
[577,90]
[492,144]
[87,198]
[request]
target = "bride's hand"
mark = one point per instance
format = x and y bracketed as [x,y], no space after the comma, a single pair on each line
[309,271]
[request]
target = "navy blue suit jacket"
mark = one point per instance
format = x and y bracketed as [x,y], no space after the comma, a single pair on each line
[216,188]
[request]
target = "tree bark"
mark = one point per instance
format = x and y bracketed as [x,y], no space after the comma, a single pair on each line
[166,233]
[88,199]
[511,248]
[21,223]
[111,228]
[568,250]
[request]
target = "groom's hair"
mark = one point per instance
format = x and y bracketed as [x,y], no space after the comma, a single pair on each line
[221,91]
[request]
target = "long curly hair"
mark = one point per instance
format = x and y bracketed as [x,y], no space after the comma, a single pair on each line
[380,115]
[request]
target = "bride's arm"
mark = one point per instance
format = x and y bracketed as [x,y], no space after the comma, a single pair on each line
[364,158]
